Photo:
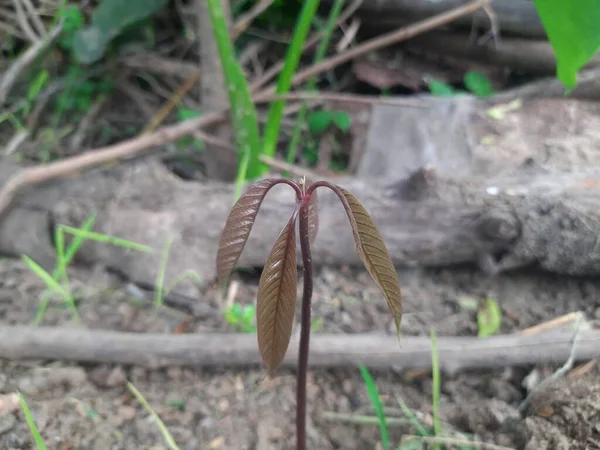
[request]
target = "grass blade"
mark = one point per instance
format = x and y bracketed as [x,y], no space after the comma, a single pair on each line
[284,82]
[312,82]
[37,437]
[243,112]
[373,394]
[104,238]
[160,276]
[63,261]
[52,284]
[163,429]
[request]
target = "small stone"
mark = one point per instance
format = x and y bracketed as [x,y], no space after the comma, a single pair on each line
[126,413]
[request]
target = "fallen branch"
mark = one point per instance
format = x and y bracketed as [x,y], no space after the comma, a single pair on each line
[513,16]
[156,350]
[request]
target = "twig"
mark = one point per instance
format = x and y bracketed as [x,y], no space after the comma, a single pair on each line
[383,41]
[162,136]
[327,350]
[25,26]
[164,111]
[245,20]
[35,18]
[271,162]
[16,141]
[257,84]
[22,62]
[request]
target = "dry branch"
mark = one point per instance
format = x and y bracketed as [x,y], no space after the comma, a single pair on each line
[513,16]
[155,350]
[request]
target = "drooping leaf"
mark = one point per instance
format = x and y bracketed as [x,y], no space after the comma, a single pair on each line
[238,226]
[373,252]
[276,303]
[313,217]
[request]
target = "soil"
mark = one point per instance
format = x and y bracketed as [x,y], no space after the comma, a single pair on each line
[90,406]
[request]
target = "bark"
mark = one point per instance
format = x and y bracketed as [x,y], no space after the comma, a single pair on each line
[531,216]
[498,212]
[155,350]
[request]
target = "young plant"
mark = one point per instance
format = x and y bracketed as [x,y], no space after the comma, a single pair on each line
[276,302]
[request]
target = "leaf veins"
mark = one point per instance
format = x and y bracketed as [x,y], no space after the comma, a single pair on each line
[238,226]
[276,303]
[374,254]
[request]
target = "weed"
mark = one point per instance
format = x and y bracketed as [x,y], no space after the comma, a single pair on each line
[37,438]
[58,282]
[241,317]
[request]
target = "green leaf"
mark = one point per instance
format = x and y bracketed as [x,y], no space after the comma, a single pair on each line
[573,31]
[318,122]
[478,84]
[441,89]
[37,84]
[342,120]
[489,318]
[73,18]
[109,19]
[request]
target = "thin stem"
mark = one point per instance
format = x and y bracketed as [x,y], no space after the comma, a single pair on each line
[304,328]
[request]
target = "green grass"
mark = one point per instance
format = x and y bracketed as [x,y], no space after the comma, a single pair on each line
[169,440]
[292,58]
[37,438]
[251,146]
[58,281]
[312,82]
[435,437]
[373,393]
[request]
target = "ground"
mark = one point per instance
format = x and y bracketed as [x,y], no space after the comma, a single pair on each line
[90,407]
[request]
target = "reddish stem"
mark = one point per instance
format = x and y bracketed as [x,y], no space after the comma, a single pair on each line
[304,328]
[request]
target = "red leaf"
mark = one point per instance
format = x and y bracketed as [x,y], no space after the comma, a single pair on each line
[373,253]
[238,226]
[276,303]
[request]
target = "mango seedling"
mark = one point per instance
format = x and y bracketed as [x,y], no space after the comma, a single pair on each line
[276,302]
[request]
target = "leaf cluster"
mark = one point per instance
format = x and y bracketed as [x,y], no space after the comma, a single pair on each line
[276,302]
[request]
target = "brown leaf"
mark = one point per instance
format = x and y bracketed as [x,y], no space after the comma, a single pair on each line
[313,217]
[374,254]
[276,302]
[238,226]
